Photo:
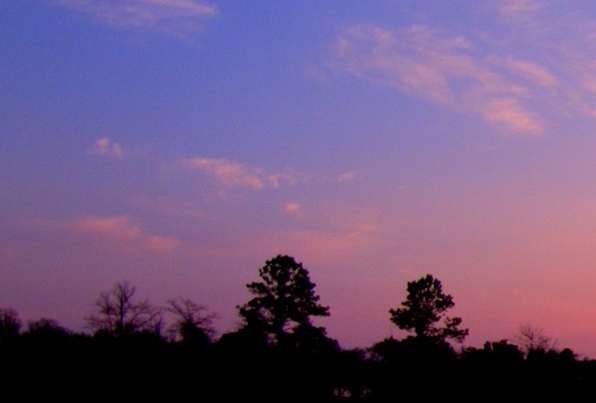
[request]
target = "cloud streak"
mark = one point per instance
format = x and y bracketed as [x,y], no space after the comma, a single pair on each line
[123,234]
[171,16]
[447,70]
[515,8]
[346,177]
[233,174]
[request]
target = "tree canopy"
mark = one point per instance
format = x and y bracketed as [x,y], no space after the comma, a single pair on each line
[284,302]
[424,312]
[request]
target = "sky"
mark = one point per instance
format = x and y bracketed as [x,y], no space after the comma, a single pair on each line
[179,144]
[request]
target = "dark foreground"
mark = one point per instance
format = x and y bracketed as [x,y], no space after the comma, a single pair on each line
[82,368]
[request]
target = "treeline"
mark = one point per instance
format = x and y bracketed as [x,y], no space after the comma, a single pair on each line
[277,354]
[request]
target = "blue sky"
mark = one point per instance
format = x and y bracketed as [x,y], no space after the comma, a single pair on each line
[178,144]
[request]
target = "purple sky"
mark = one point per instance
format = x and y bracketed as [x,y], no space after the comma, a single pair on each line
[179,144]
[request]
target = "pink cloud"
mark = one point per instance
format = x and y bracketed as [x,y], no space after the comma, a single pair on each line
[292,208]
[446,70]
[346,177]
[329,246]
[122,234]
[510,113]
[172,16]
[514,8]
[531,71]
[234,174]
[107,147]
[227,172]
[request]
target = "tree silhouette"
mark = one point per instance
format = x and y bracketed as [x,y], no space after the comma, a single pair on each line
[192,322]
[533,338]
[10,324]
[46,329]
[119,314]
[284,303]
[311,368]
[424,312]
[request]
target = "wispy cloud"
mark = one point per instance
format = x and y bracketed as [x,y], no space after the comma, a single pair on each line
[234,174]
[123,234]
[172,16]
[346,177]
[532,72]
[106,147]
[509,112]
[515,8]
[447,70]
[329,245]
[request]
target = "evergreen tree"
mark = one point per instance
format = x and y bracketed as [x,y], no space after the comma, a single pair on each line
[424,312]
[284,303]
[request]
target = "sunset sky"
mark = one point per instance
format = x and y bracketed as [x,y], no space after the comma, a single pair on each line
[179,144]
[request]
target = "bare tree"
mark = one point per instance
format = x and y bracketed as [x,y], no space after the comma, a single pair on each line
[532,338]
[119,314]
[192,323]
